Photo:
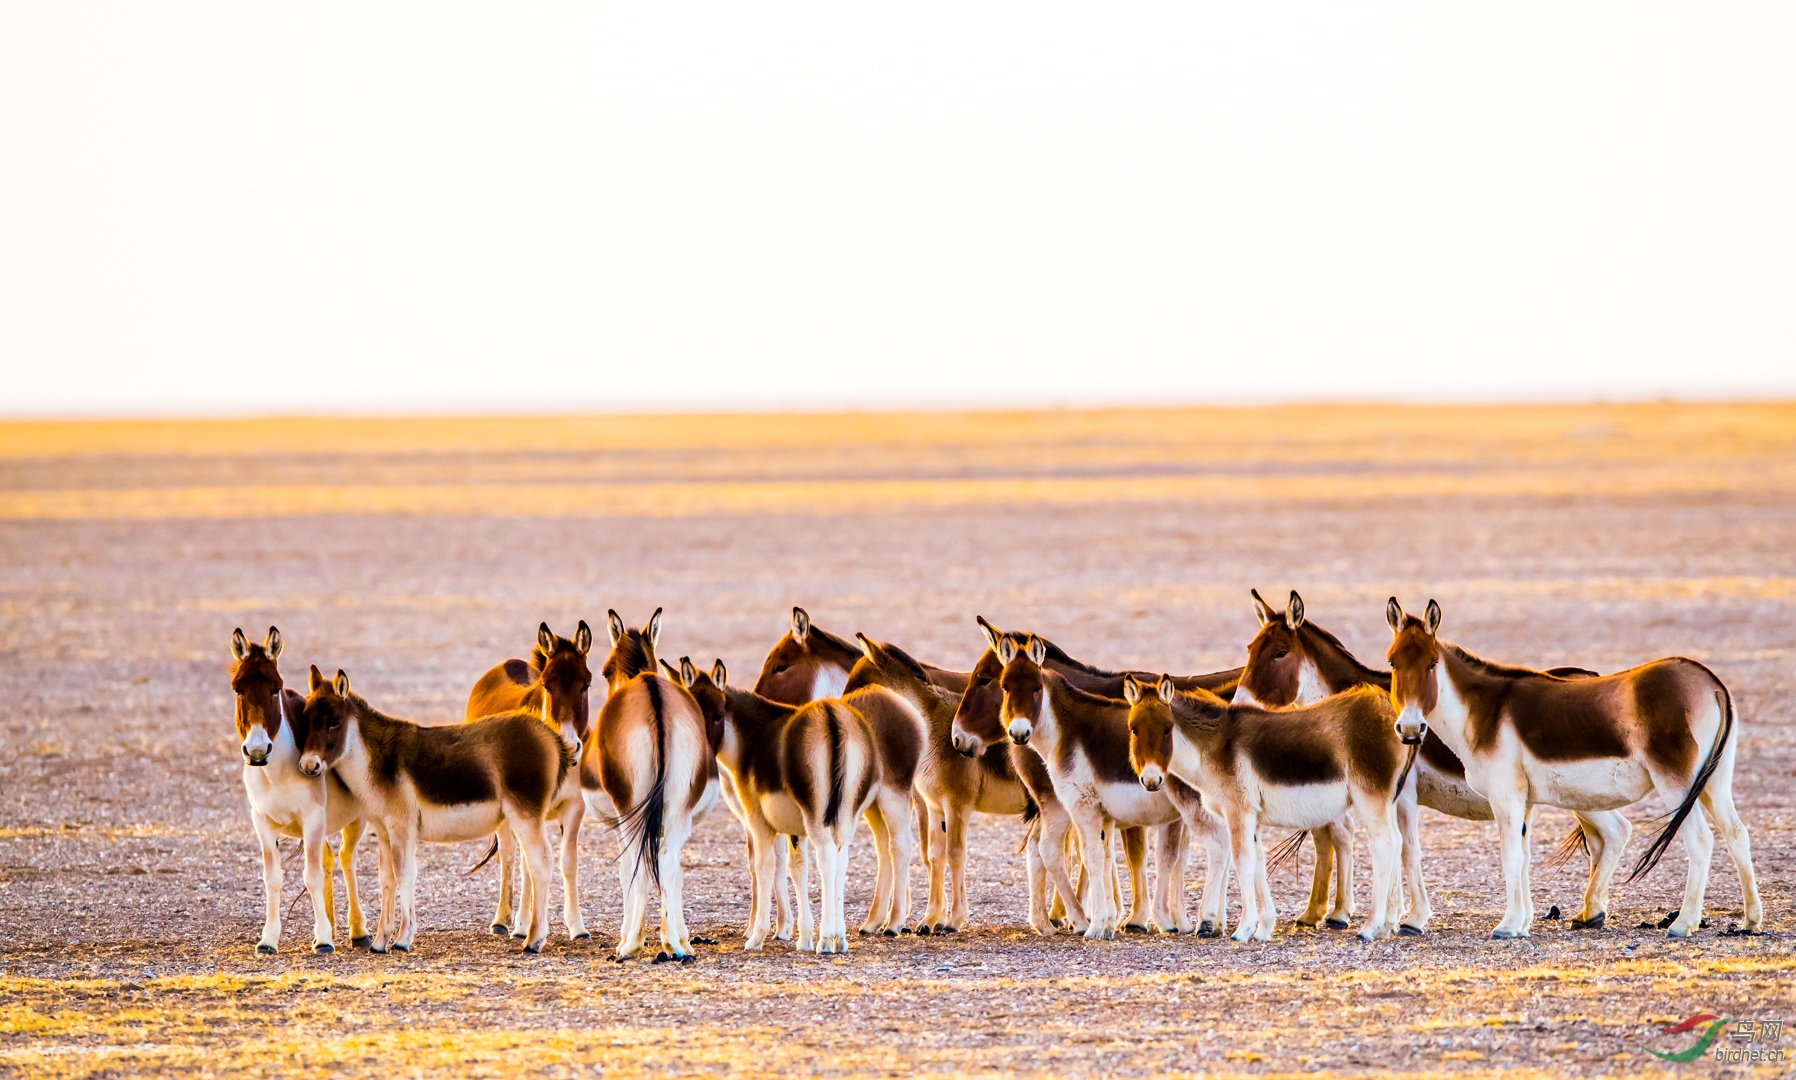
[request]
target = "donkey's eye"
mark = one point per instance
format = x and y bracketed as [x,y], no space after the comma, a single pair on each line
[1281,654]
[777,668]
[986,681]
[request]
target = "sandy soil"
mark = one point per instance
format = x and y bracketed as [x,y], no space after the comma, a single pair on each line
[132,884]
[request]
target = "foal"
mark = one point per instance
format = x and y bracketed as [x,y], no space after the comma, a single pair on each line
[439,785]
[811,770]
[284,801]
[1292,661]
[1584,744]
[1297,768]
[552,684]
[650,758]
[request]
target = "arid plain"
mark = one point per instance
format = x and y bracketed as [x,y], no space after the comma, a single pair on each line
[417,553]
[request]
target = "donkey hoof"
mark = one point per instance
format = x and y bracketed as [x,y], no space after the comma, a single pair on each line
[534,948]
[1595,922]
[324,947]
[583,937]
[922,930]
[1407,930]
[863,931]
[397,947]
[689,959]
[1134,928]
[662,958]
[378,950]
[904,930]
[1506,935]
[1553,913]
[944,928]
[703,940]
[264,950]
[519,934]
[891,933]
[1336,924]
[360,942]
[1206,929]
[500,929]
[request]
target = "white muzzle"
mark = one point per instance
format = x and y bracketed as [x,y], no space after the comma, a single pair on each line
[1020,730]
[1411,725]
[1152,777]
[257,745]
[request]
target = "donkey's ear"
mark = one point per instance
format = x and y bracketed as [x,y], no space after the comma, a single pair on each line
[239,644]
[314,679]
[688,673]
[1038,650]
[273,643]
[545,640]
[1261,609]
[1294,611]
[673,672]
[1393,614]
[992,633]
[801,624]
[1167,689]
[615,624]
[720,675]
[868,649]
[652,631]
[341,683]
[1432,618]
[1131,689]
[583,638]
[1006,649]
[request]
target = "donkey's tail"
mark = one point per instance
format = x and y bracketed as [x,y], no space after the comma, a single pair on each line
[484,859]
[645,823]
[1286,850]
[1031,818]
[1663,841]
[1574,842]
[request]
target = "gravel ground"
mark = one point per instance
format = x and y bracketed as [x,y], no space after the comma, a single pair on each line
[132,881]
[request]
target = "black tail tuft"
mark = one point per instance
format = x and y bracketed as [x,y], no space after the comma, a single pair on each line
[484,859]
[1662,841]
[646,822]
[838,769]
[1032,819]
[1286,851]
[1574,842]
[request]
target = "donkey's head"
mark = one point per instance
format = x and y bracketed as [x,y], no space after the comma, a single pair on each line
[256,680]
[978,719]
[1150,729]
[1414,656]
[1021,683]
[708,689]
[329,713]
[885,664]
[632,651]
[565,680]
[806,664]
[1274,675]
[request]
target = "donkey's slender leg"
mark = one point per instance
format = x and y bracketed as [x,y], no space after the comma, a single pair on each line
[1718,796]
[881,908]
[503,919]
[1340,916]
[405,882]
[674,937]
[1511,812]
[807,925]
[935,863]
[633,876]
[571,818]
[1242,828]
[1380,821]
[352,837]
[535,847]
[329,859]
[1409,826]
[1094,845]
[1170,911]
[957,868]
[1051,841]
[1213,833]
[1606,834]
[1317,910]
[271,882]
[1135,849]
[313,843]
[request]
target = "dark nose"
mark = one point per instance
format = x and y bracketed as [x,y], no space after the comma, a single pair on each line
[260,758]
[1151,785]
[1020,740]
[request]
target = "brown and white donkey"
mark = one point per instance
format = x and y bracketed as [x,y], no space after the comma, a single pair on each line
[1298,768]
[1586,744]
[1292,661]
[552,684]
[437,785]
[811,770]
[285,801]
[648,767]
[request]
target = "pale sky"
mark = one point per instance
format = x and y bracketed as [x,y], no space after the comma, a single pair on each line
[367,207]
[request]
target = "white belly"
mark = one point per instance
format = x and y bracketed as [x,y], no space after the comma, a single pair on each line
[783,813]
[1302,806]
[452,824]
[1602,784]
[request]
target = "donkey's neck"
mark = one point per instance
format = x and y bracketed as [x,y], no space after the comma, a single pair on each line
[1337,668]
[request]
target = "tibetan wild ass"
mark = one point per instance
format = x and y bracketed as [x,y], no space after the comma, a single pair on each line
[811,770]
[553,685]
[284,801]
[1298,768]
[650,759]
[438,785]
[1585,744]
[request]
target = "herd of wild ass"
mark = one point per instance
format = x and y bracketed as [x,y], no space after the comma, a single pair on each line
[1304,737]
